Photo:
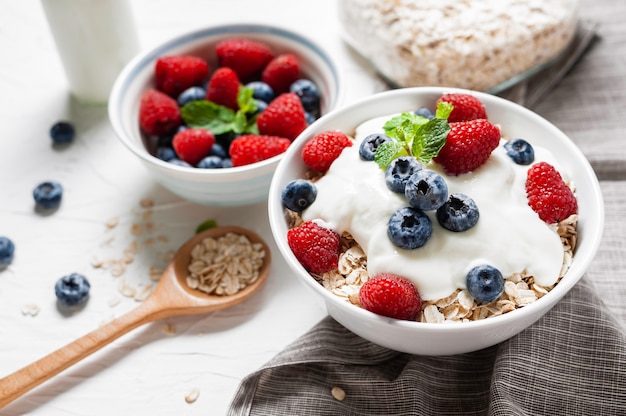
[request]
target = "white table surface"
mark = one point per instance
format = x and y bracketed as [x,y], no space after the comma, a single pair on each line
[150,370]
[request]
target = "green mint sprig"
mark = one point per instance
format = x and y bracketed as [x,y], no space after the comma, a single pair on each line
[415,136]
[205,114]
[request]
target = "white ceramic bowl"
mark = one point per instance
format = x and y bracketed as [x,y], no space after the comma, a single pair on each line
[445,338]
[222,187]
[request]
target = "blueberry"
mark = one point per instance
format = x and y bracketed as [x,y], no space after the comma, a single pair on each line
[261,91]
[399,171]
[308,93]
[520,151]
[211,162]
[298,195]
[409,228]
[310,118]
[62,132]
[191,94]
[7,248]
[179,162]
[218,150]
[165,153]
[260,106]
[485,283]
[425,112]
[227,163]
[426,190]
[368,146]
[72,290]
[459,213]
[48,194]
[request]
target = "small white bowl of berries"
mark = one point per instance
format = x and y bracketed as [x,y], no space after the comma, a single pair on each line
[211,112]
[436,221]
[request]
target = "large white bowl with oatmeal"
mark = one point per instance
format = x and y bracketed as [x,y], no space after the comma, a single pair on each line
[450,323]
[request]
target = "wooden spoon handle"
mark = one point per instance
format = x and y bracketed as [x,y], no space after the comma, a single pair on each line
[21,381]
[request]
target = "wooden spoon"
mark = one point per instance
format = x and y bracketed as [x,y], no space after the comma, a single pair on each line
[171,297]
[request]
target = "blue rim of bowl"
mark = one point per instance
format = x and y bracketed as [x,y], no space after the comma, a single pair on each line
[141,61]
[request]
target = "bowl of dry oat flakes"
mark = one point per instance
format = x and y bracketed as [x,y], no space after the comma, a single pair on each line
[436,221]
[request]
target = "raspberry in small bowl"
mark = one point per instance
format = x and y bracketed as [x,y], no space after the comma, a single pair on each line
[436,221]
[210,112]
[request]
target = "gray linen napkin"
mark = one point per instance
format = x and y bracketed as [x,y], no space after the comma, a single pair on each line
[571,362]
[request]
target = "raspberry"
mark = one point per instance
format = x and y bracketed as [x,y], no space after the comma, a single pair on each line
[223,88]
[322,150]
[466,107]
[192,145]
[281,72]
[468,145]
[315,247]
[284,117]
[246,57]
[158,113]
[392,296]
[174,74]
[251,148]
[548,195]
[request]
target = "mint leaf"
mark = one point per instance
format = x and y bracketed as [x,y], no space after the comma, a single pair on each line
[429,139]
[443,110]
[203,114]
[387,152]
[392,125]
[208,224]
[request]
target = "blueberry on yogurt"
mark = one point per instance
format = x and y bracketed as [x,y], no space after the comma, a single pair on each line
[520,151]
[298,195]
[399,171]
[369,145]
[426,190]
[409,228]
[72,290]
[459,213]
[485,283]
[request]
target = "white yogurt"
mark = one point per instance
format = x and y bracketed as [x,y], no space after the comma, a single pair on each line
[509,235]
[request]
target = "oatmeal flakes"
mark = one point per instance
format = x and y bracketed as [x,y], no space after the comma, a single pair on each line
[193,395]
[146,203]
[142,293]
[338,393]
[432,314]
[155,273]
[169,329]
[30,309]
[125,289]
[112,223]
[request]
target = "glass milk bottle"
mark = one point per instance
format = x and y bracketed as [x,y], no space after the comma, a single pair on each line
[94,39]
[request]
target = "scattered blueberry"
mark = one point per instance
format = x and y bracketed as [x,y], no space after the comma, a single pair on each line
[218,150]
[520,151]
[48,194]
[72,290]
[309,95]
[191,94]
[459,213]
[261,91]
[425,112]
[310,118]
[409,228]
[368,146]
[227,163]
[485,283]
[166,153]
[62,132]
[399,171]
[211,162]
[298,195]
[7,249]
[426,190]
[179,162]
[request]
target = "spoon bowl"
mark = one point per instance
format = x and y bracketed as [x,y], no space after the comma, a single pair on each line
[171,297]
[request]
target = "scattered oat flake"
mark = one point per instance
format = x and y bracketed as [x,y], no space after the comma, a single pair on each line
[135,229]
[97,262]
[169,329]
[146,203]
[114,301]
[193,395]
[30,309]
[112,223]
[143,293]
[338,393]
